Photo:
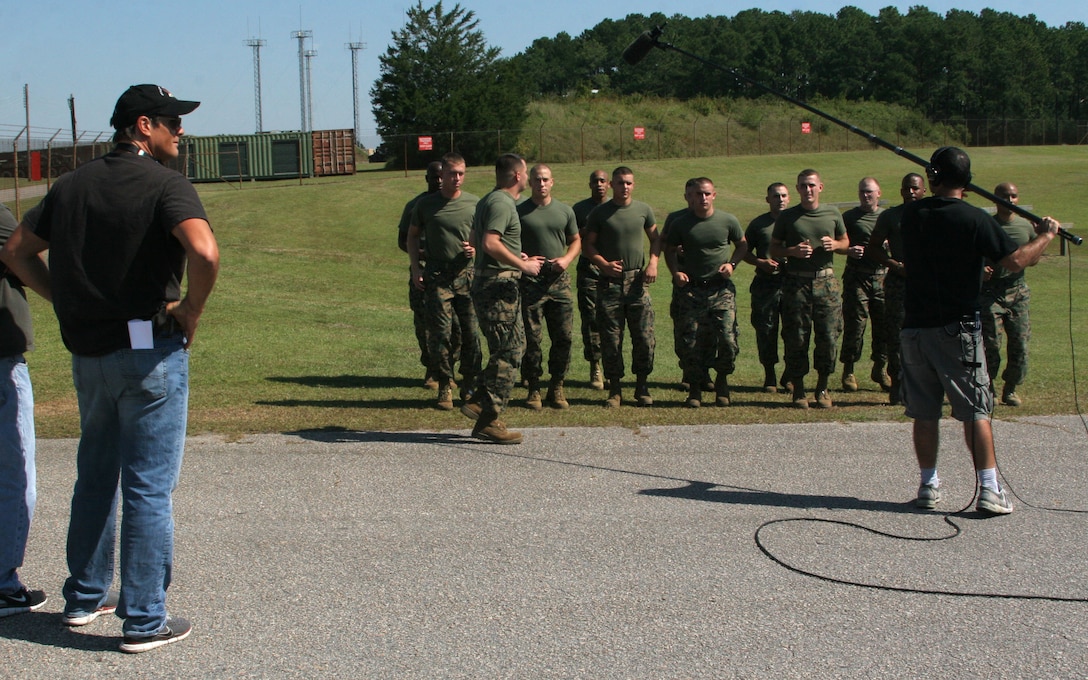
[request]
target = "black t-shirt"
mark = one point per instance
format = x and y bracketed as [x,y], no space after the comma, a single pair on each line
[112,256]
[16,330]
[944,243]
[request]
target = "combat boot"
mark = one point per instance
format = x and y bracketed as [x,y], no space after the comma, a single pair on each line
[445,397]
[770,382]
[1009,397]
[429,381]
[695,397]
[823,396]
[800,399]
[533,399]
[895,392]
[721,390]
[555,395]
[615,394]
[596,378]
[491,429]
[642,392]
[849,381]
[880,376]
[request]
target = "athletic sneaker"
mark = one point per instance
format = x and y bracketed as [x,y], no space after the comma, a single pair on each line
[21,601]
[83,618]
[175,630]
[993,502]
[928,497]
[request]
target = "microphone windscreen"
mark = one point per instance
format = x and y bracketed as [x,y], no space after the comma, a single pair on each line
[638,49]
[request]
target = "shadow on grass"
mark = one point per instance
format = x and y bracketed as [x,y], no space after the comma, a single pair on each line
[47,629]
[348,381]
[349,403]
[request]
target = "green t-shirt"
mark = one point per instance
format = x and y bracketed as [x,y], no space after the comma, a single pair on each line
[621,231]
[406,221]
[859,227]
[497,212]
[758,237]
[796,224]
[546,229]
[860,224]
[705,240]
[445,224]
[581,213]
[1020,231]
[582,209]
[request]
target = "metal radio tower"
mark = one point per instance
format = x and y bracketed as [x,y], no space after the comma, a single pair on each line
[303,86]
[310,54]
[257,44]
[355,47]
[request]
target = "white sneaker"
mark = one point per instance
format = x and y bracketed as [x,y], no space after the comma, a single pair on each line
[993,502]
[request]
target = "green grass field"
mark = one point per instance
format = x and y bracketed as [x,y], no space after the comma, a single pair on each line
[309,325]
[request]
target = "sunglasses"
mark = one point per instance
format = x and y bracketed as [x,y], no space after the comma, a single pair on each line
[173,123]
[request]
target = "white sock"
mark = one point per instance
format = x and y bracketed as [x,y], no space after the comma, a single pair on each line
[929,476]
[988,479]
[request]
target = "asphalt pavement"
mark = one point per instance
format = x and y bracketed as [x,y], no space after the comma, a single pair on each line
[758,551]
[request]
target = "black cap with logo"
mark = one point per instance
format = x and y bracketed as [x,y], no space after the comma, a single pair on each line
[148,100]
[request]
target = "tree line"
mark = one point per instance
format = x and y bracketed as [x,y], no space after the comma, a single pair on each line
[439,74]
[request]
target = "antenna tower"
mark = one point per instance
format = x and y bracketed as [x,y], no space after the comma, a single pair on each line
[257,44]
[303,85]
[355,47]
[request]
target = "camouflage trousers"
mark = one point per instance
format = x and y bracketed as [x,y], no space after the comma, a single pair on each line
[417,302]
[587,309]
[1004,305]
[766,292]
[895,291]
[451,323]
[810,307]
[706,316]
[625,302]
[678,346]
[547,300]
[498,306]
[862,299]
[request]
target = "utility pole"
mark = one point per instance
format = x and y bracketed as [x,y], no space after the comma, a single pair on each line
[355,47]
[257,44]
[26,107]
[303,87]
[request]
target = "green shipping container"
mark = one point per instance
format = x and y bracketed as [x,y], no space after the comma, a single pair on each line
[230,158]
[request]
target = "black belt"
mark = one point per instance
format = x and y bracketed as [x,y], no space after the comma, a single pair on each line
[712,282]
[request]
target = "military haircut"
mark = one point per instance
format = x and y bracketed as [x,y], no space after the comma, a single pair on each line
[452,158]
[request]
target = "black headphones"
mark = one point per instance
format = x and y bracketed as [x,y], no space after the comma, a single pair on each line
[937,168]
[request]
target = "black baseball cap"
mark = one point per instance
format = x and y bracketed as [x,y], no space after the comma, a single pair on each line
[148,100]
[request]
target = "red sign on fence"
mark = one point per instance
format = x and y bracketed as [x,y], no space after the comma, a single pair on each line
[426,144]
[640,133]
[806,128]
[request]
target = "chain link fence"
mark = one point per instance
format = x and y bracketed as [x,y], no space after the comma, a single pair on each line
[23,171]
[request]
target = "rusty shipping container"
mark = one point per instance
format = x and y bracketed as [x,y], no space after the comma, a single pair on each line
[334,152]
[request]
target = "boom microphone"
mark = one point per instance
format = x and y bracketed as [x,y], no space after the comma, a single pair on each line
[642,45]
[648,40]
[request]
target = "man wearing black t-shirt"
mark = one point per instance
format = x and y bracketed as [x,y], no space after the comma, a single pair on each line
[122,231]
[945,243]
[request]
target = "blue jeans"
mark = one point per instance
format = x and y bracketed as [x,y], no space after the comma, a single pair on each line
[17,472]
[133,406]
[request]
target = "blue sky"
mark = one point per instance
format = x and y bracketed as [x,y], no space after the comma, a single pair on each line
[94,50]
